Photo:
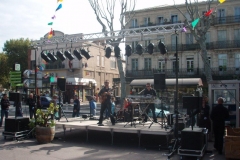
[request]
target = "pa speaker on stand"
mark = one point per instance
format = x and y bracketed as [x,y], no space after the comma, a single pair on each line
[61,84]
[159,81]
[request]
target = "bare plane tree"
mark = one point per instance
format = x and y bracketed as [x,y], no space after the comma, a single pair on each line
[199,31]
[104,11]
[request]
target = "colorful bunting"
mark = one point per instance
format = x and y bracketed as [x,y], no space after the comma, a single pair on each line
[50,34]
[59,7]
[222,1]
[59,0]
[50,23]
[195,22]
[208,13]
[184,29]
[53,17]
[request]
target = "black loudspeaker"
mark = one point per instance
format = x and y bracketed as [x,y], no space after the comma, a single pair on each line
[159,81]
[16,97]
[192,102]
[16,124]
[192,139]
[61,83]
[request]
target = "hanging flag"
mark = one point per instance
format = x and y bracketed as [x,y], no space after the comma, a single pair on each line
[53,17]
[184,29]
[50,34]
[59,7]
[195,22]
[50,23]
[208,13]
[59,0]
[221,1]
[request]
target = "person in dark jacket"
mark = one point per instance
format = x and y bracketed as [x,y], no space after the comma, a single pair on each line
[204,115]
[218,116]
[18,112]
[4,108]
[76,107]
[105,95]
[150,92]
[32,105]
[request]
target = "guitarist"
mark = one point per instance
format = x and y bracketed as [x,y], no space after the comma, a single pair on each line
[105,99]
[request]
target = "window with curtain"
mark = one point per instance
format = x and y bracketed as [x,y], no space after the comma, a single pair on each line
[98,60]
[189,38]
[221,16]
[160,20]
[113,62]
[134,23]
[237,14]
[174,19]
[146,21]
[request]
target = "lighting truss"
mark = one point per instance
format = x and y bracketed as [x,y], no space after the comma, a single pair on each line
[126,33]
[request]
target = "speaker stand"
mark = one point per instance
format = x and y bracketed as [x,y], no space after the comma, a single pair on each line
[60,110]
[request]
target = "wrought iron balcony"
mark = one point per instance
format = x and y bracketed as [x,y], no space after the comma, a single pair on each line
[226,20]
[184,72]
[55,66]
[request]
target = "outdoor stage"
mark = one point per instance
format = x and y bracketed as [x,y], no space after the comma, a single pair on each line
[139,129]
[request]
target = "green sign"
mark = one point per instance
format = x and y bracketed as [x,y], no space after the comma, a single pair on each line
[15,78]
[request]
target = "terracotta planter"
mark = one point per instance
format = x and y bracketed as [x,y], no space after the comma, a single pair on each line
[44,134]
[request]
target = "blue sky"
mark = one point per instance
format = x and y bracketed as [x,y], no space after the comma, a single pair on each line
[30,18]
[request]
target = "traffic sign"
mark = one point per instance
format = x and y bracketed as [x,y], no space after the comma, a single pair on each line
[17,67]
[15,77]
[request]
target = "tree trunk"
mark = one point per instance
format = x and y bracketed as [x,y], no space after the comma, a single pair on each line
[207,67]
[122,80]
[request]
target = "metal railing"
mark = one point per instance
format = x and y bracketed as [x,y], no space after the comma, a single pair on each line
[183,72]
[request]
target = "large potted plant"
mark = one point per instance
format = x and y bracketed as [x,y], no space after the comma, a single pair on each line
[44,124]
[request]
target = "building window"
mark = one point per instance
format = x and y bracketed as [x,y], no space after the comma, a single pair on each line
[209,61]
[98,60]
[102,64]
[190,64]
[222,62]
[222,37]
[161,65]
[174,64]
[174,19]
[147,64]
[161,37]
[134,23]
[113,62]
[208,38]
[221,16]
[189,38]
[146,21]
[237,14]
[237,62]
[134,45]
[134,64]
[173,41]
[160,20]
[237,35]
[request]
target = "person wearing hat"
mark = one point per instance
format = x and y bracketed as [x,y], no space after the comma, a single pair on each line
[76,107]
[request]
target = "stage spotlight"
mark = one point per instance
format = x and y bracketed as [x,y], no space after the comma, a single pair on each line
[162,47]
[139,49]
[61,55]
[150,48]
[45,57]
[128,50]
[85,53]
[77,54]
[52,56]
[69,55]
[117,51]
[108,52]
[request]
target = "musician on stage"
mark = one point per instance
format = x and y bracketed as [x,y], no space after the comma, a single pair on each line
[149,91]
[105,99]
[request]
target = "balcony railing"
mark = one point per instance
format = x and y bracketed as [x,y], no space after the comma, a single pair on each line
[55,66]
[183,72]
[226,20]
